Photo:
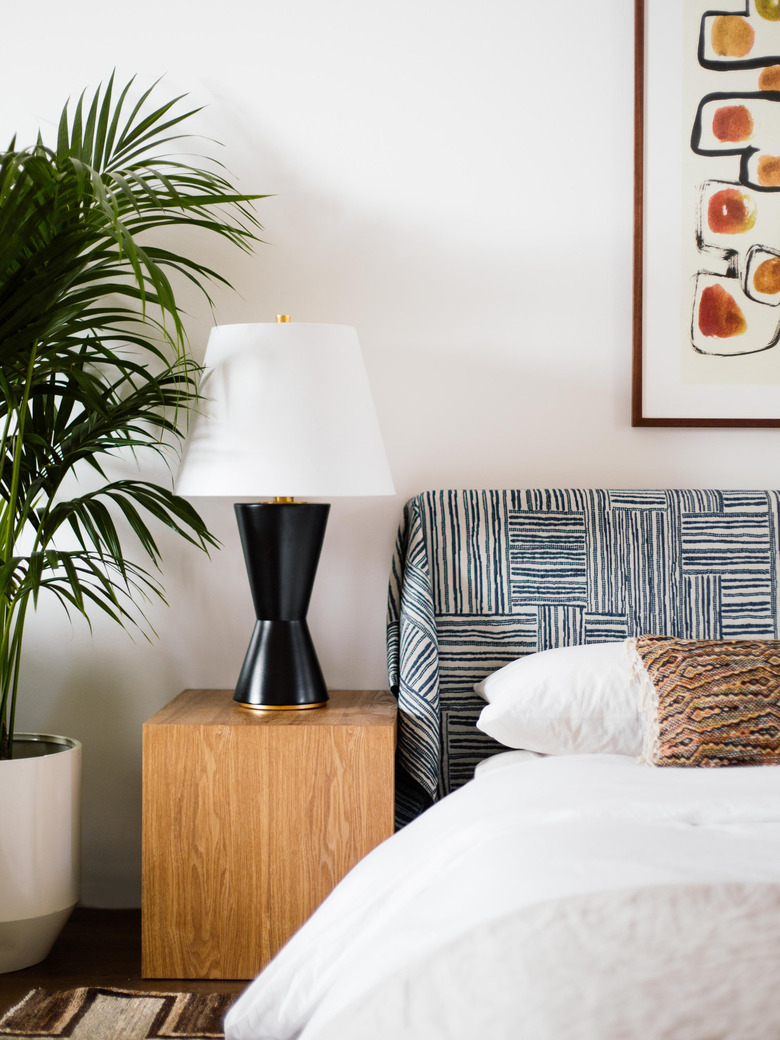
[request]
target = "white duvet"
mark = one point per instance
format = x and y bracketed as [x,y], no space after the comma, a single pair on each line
[427,936]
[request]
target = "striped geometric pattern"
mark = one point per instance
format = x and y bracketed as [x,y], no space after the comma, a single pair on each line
[481,577]
[711,703]
[105,1013]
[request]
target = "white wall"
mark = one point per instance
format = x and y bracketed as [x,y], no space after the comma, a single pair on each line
[455,179]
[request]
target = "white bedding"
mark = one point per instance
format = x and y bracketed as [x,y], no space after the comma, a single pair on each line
[534,831]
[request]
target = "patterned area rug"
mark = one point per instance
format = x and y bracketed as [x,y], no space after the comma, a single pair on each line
[116,1014]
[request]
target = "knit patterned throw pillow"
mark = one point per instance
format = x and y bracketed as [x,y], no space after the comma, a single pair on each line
[709,702]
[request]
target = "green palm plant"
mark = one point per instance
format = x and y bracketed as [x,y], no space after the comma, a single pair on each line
[93,355]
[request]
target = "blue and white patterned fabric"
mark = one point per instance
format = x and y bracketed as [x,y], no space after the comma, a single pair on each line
[481,577]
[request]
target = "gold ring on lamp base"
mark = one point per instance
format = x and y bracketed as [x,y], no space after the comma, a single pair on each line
[280,707]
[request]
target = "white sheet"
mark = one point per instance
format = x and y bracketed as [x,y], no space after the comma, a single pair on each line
[537,830]
[659,962]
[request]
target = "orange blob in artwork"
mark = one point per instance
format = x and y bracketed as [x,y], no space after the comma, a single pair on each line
[731,212]
[769,171]
[719,313]
[732,36]
[732,123]
[766,277]
[769,9]
[769,78]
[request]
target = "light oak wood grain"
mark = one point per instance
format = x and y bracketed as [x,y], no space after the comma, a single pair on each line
[249,820]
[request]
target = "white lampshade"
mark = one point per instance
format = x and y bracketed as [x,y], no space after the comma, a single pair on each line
[286,411]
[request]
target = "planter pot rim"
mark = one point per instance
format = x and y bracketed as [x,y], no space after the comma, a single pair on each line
[30,746]
[48,738]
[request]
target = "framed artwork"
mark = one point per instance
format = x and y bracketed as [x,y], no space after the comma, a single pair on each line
[707,213]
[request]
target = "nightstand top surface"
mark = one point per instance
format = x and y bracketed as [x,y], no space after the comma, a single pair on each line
[217,708]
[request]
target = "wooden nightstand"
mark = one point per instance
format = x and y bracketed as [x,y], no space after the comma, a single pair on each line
[250,819]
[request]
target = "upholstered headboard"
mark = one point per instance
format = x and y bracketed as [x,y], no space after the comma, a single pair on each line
[481,577]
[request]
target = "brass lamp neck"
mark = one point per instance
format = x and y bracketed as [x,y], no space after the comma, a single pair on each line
[282,499]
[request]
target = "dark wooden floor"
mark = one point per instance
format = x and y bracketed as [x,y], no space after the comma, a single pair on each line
[98,948]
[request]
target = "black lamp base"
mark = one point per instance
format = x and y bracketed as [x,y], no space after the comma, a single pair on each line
[282,544]
[281,669]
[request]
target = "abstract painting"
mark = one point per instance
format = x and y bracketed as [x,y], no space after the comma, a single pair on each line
[707,214]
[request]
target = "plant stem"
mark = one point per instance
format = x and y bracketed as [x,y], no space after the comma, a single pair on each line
[13,612]
[16,664]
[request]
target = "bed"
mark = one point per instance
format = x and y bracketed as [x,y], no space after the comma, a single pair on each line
[588,792]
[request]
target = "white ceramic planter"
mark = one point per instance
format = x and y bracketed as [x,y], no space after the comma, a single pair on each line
[40,845]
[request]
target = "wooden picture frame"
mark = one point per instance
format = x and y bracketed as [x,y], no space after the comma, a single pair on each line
[696,361]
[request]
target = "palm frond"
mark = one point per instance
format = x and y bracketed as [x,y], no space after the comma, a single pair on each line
[93,351]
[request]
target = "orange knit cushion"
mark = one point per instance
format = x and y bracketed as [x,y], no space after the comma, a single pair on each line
[710,702]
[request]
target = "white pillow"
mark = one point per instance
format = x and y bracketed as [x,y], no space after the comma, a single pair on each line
[574,700]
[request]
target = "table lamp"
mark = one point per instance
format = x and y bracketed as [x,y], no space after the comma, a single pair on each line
[286,412]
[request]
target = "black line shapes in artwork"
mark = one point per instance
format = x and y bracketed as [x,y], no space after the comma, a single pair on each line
[742,124]
[722,313]
[755,25]
[735,306]
[733,225]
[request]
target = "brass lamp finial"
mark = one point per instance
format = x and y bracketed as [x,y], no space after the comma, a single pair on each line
[282,318]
